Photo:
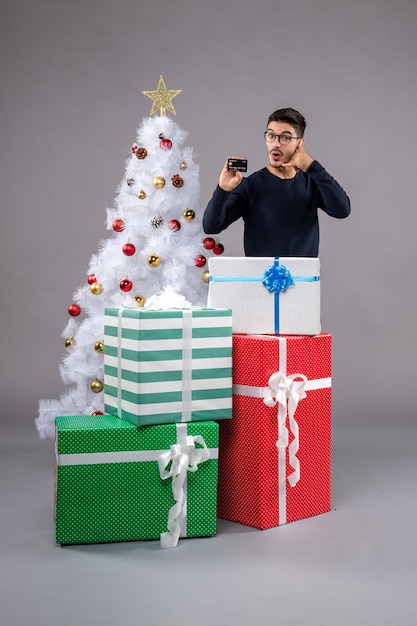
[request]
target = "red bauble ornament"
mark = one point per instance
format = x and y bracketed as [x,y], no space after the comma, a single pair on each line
[97,413]
[126,285]
[118,226]
[165,144]
[209,243]
[174,225]
[91,279]
[218,248]
[200,260]
[74,310]
[129,249]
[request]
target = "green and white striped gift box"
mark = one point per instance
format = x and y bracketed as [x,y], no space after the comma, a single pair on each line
[168,366]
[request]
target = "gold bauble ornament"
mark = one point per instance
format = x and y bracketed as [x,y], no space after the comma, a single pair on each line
[99,346]
[189,215]
[158,182]
[140,300]
[183,165]
[206,276]
[96,288]
[141,195]
[96,386]
[70,342]
[154,260]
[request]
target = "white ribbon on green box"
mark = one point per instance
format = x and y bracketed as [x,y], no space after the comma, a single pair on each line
[286,391]
[175,463]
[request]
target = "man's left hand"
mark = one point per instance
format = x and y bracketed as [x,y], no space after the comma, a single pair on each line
[300,159]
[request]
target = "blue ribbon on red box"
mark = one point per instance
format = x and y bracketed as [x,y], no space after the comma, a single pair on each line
[277,279]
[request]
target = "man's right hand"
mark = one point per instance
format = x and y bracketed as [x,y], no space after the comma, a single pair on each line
[229,180]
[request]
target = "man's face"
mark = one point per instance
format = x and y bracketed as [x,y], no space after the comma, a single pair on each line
[278,153]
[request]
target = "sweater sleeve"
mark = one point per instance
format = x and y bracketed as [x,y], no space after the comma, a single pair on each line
[332,198]
[224,208]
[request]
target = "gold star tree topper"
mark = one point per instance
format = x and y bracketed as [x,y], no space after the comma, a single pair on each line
[162,98]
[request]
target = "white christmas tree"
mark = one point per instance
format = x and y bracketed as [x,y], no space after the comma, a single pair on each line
[156,243]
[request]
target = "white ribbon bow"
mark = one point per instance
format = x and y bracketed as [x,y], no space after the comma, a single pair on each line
[182,458]
[286,391]
[167,299]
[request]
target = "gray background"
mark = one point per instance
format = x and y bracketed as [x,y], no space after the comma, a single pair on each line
[71,78]
[72,75]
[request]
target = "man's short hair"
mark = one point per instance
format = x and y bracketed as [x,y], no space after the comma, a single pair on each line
[290,116]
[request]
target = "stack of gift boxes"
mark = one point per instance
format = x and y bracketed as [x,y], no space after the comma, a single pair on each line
[166,459]
[274,462]
[147,469]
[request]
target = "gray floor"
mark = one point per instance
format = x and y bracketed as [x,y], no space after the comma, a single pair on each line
[356,565]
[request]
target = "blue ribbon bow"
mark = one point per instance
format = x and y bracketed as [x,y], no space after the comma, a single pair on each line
[277,278]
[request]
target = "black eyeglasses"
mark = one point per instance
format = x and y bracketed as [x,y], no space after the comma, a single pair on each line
[284,140]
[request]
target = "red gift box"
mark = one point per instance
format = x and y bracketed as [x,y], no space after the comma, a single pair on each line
[275,453]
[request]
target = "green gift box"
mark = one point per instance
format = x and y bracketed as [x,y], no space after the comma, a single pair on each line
[168,366]
[118,482]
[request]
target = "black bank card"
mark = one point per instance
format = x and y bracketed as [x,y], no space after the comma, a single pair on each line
[237,165]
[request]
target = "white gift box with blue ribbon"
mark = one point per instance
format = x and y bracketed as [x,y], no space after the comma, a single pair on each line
[268,295]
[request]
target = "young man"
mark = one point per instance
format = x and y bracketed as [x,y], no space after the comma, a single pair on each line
[278,203]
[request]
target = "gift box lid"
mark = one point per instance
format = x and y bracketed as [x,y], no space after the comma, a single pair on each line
[167,313]
[255,266]
[106,433]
